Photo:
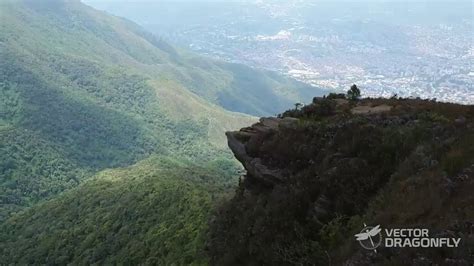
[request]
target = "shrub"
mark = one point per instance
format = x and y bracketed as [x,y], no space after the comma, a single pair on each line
[353,93]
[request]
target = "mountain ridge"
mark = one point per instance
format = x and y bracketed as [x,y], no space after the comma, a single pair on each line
[81,83]
[95,127]
[316,175]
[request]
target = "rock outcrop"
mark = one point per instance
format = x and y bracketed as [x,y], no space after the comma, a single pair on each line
[243,141]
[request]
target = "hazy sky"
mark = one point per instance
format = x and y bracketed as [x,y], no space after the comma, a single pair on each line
[281,1]
[427,9]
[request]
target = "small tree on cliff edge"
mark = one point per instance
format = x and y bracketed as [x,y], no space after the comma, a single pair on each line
[353,93]
[298,105]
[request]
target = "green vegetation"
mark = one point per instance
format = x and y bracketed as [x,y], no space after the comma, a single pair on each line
[155,212]
[112,145]
[32,169]
[85,91]
[81,91]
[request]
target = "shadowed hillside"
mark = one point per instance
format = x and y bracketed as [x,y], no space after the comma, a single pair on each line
[154,212]
[82,91]
[95,114]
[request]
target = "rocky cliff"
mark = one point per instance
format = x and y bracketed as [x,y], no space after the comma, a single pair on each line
[243,144]
[316,175]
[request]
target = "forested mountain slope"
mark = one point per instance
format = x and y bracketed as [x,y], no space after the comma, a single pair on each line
[94,112]
[82,91]
[155,212]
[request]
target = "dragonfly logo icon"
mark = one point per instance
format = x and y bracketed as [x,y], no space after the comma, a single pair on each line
[370,237]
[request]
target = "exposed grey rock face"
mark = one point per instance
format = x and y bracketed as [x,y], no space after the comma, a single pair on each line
[247,139]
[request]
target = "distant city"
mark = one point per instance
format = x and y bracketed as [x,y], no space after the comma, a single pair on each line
[419,52]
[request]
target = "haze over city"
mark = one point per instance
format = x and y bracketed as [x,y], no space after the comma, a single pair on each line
[408,48]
